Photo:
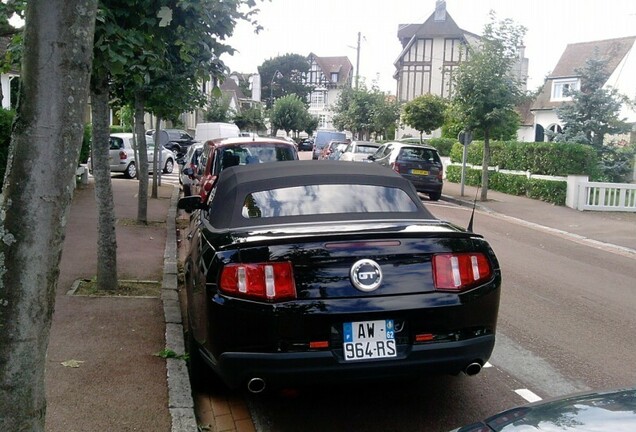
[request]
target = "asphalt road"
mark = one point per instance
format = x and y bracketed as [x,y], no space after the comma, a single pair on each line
[566,324]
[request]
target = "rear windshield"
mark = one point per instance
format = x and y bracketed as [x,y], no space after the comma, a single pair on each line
[252,154]
[366,149]
[418,154]
[326,199]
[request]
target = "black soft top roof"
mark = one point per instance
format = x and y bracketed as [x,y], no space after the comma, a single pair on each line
[235,183]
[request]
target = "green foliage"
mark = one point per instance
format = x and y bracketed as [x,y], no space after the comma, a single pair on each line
[443,145]
[505,131]
[250,119]
[288,114]
[545,190]
[218,110]
[559,159]
[364,111]
[424,113]
[6,122]
[594,110]
[282,76]
[485,92]
[616,164]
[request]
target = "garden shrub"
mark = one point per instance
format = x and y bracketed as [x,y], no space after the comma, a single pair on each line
[552,191]
[443,145]
[557,159]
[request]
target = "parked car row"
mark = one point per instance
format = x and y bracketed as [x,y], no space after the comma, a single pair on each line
[217,155]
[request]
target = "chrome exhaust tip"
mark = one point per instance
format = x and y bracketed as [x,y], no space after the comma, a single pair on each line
[472,369]
[256,385]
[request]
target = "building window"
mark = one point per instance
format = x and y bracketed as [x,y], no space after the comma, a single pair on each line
[322,120]
[560,88]
[334,77]
[452,51]
[317,100]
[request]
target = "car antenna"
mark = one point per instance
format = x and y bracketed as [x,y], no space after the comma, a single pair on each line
[472,214]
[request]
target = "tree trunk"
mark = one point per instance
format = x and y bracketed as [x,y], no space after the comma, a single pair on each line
[106,238]
[484,166]
[142,166]
[38,188]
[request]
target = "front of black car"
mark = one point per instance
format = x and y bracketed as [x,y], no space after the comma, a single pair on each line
[305,274]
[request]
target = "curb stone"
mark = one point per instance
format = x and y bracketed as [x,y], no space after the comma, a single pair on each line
[180,402]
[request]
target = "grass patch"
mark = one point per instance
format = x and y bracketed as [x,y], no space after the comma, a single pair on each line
[134,222]
[126,288]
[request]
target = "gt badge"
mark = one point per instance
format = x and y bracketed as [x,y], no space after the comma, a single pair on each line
[366,275]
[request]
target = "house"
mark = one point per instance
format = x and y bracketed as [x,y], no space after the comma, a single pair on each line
[7,77]
[328,76]
[621,65]
[431,53]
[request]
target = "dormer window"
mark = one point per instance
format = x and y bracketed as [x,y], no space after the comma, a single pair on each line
[560,88]
[334,77]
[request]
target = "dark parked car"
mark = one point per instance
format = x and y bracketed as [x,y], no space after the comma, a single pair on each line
[306,145]
[175,140]
[420,164]
[613,410]
[302,272]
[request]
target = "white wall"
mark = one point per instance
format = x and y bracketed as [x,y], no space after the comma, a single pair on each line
[624,80]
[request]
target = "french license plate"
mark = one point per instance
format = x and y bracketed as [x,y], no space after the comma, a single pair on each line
[365,340]
[419,172]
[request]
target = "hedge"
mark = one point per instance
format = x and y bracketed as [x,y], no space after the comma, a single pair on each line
[557,159]
[545,190]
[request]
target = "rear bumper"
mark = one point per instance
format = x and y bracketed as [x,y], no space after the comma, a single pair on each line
[318,367]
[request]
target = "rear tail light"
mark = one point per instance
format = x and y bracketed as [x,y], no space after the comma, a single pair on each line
[270,281]
[396,167]
[123,155]
[440,175]
[461,271]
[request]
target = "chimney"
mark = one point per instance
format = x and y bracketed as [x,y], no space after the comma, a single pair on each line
[255,80]
[440,10]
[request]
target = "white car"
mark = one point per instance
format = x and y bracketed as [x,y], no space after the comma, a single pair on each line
[122,156]
[359,151]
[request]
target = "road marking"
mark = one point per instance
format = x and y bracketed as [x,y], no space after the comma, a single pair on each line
[487,365]
[528,395]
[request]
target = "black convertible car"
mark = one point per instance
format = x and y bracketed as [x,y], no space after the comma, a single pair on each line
[306,272]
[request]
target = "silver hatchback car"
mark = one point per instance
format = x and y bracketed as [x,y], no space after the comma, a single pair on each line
[122,156]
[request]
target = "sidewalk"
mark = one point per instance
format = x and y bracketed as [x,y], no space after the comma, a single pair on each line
[615,230]
[119,384]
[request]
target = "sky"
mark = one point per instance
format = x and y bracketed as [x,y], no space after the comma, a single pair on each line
[330,28]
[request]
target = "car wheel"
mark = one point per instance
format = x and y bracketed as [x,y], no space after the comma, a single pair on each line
[169,167]
[435,196]
[131,171]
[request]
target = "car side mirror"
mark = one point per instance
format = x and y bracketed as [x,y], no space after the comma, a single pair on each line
[370,157]
[181,160]
[188,171]
[190,203]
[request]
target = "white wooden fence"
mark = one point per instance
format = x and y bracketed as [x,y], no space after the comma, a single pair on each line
[582,194]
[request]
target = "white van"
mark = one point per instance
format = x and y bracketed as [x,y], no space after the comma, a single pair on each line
[209,131]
